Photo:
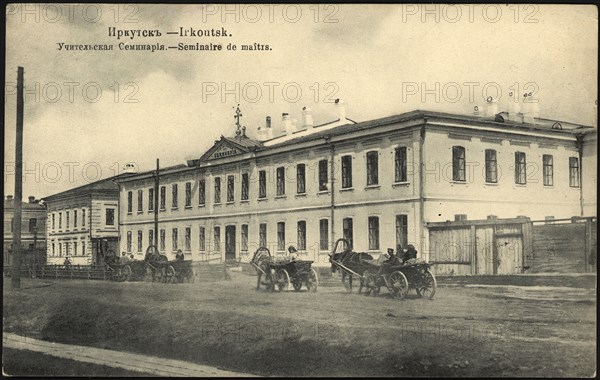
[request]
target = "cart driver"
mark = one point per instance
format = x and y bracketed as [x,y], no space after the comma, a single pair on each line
[179,256]
[124,257]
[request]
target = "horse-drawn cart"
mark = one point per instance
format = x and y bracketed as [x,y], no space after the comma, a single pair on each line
[399,278]
[124,270]
[163,270]
[281,273]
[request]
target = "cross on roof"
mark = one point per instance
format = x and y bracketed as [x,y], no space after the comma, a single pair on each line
[238,114]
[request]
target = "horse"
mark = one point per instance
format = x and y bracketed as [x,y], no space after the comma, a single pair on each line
[351,260]
[262,258]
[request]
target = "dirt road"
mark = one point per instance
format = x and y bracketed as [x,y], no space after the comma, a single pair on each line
[464,331]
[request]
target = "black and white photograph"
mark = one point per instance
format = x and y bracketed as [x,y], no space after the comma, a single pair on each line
[300,190]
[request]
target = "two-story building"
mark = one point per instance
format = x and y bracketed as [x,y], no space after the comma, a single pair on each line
[376,183]
[82,223]
[33,227]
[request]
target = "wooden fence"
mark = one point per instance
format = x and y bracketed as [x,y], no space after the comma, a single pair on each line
[511,246]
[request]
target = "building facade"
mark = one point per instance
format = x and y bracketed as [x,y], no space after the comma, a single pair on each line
[82,223]
[33,227]
[375,183]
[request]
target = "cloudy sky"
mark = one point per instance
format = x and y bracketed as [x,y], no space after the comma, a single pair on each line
[89,113]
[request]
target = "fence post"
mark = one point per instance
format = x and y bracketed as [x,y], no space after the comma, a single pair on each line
[588,244]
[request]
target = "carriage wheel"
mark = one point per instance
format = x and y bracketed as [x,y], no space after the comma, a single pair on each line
[427,286]
[398,284]
[126,273]
[297,284]
[282,279]
[312,282]
[170,274]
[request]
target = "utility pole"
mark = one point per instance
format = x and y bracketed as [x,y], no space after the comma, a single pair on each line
[16,259]
[156,179]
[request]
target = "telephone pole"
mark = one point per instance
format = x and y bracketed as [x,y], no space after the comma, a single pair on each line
[16,259]
[156,179]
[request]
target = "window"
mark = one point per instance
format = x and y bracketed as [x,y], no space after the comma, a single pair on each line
[140,242]
[188,194]
[12,224]
[67,249]
[217,240]
[60,220]
[230,188]
[323,234]
[150,237]
[520,167]
[163,239]
[300,179]
[129,241]
[346,172]
[548,169]
[83,253]
[280,181]
[188,239]
[302,235]
[68,223]
[401,230]
[400,164]
[163,197]
[217,190]
[59,249]
[75,248]
[53,221]
[32,224]
[174,239]
[202,239]
[281,236]
[151,199]
[74,218]
[458,164]
[373,233]
[491,166]
[129,202]
[347,230]
[175,196]
[244,237]
[245,186]
[53,249]
[110,216]
[83,217]
[262,184]
[140,201]
[372,168]
[262,234]
[323,175]
[573,171]
[201,192]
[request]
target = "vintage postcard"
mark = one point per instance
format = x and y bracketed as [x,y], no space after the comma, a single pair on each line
[396,190]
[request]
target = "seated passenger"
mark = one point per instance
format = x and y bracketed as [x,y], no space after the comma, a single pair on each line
[124,257]
[409,254]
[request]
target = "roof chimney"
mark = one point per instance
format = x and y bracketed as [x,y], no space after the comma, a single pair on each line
[514,109]
[477,111]
[286,123]
[491,107]
[31,199]
[341,109]
[307,119]
[531,109]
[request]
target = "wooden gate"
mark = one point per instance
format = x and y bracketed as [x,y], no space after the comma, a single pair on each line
[492,246]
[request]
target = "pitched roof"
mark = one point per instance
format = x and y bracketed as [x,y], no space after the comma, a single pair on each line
[103,185]
[10,204]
